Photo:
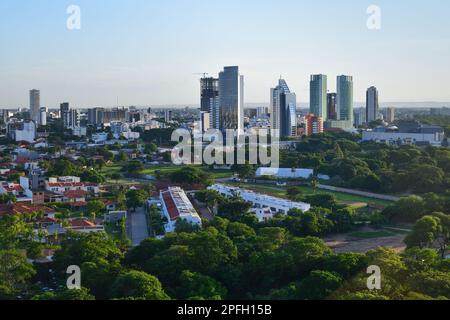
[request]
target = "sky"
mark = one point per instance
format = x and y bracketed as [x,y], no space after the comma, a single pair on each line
[149,52]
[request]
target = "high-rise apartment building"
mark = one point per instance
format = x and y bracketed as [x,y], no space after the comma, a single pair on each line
[372,106]
[35,106]
[43,116]
[231,99]
[318,95]
[209,89]
[283,114]
[70,117]
[359,116]
[214,113]
[313,124]
[344,98]
[331,106]
[390,114]
[99,116]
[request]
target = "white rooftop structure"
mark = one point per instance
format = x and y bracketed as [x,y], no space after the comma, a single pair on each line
[261,201]
[285,173]
[176,205]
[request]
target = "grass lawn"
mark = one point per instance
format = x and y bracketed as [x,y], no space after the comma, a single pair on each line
[108,170]
[343,198]
[215,174]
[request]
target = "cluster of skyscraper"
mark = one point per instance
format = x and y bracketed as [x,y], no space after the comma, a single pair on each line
[332,106]
[223,99]
[222,103]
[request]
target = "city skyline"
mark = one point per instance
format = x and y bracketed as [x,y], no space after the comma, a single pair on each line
[141,52]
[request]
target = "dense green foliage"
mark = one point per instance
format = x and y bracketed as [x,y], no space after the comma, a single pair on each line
[372,166]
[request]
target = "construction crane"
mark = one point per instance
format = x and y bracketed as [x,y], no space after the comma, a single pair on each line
[204,74]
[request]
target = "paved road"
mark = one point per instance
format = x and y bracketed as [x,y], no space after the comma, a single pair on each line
[137,226]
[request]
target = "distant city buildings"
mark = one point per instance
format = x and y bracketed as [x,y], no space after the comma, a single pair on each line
[390,115]
[372,105]
[359,116]
[283,113]
[122,130]
[406,133]
[35,106]
[24,130]
[444,111]
[318,96]
[43,116]
[101,116]
[344,98]
[70,117]
[168,116]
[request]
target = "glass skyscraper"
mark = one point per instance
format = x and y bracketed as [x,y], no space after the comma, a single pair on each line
[231,99]
[372,106]
[344,98]
[318,95]
[283,104]
[35,105]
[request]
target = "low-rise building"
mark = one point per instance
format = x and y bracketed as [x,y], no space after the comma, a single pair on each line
[407,133]
[176,205]
[285,173]
[22,131]
[261,201]
[115,216]
[61,185]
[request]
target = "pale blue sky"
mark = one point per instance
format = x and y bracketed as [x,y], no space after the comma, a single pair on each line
[146,51]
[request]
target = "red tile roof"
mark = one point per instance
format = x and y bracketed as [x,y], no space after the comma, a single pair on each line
[21,208]
[170,205]
[75,194]
[77,223]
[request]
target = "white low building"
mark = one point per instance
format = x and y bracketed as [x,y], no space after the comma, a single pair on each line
[434,139]
[285,173]
[176,205]
[61,185]
[261,201]
[22,131]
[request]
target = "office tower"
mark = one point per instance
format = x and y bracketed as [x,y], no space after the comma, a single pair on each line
[35,105]
[261,112]
[331,106]
[63,107]
[64,114]
[70,117]
[372,107]
[390,114]
[43,116]
[344,98]
[209,89]
[95,116]
[168,116]
[283,113]
[318,95]
[359,116]
[313,124]
[231,99]
[214,113]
